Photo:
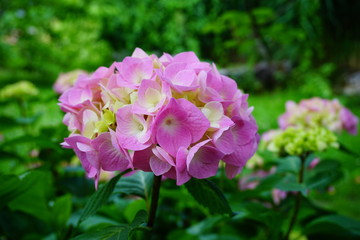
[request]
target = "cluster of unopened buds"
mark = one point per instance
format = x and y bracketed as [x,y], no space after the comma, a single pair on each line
[174,116]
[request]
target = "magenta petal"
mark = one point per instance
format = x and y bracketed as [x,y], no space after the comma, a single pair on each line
[203,161]
[226,142]
[112,157]
[141,159]
[349,121]
[243,131]
[242,153]
[196,121]
[182,175]
[163,155]
[172,141]
[170,128]
[171,174]
[231,171]
[158,166]
[91,166]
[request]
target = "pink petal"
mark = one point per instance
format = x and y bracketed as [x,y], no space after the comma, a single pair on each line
[196,121]
[132,130]
[134,70]
[182,175]
[173,69]
[242,153]
[203,160]
[226,142]
[158,166]
[231,171]
[187,57]
[112,157]
[141,159]
[88,159]
[170,128]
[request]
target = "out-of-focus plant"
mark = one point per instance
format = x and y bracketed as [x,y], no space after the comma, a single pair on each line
[307,129]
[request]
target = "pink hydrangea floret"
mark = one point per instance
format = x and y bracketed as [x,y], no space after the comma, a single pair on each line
[317,112]
[174,116]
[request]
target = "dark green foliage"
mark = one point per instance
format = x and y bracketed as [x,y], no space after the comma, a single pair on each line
[208,195]
[99,198]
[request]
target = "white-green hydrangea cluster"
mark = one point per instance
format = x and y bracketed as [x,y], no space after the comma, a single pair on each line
[19,90]
[297,141]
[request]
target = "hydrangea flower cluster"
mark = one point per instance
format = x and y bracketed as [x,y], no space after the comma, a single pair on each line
[19,90]
[309,126]
[174,116]
[296,141]
[317,112]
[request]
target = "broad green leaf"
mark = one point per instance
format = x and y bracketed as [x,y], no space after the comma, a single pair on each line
[138,184]
[112,232]
[62,211]
[290,183]
[34,200]
[324,174]
[135,206]
[289,164]
[334,225]
[42,142]
[99,198]
[120,232]
[11,187]
[205,225]
[209,195]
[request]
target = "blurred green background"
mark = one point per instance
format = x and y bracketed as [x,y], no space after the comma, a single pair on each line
[269,44]
[276,50]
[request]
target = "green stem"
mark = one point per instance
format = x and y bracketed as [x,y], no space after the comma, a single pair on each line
[154,200]
[298,198]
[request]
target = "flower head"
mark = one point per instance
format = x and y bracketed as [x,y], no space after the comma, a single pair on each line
[317,112]
[174,116]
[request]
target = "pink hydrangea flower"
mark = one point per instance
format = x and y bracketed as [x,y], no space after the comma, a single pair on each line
[66,81]
[174,116]
[317,112]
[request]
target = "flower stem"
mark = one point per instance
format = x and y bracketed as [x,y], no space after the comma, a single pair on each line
[154,200]
[298,198]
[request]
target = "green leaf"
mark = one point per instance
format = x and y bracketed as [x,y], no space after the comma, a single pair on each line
[120,232]
[42,142]
[334,225]
[209,195]
[11,187]
[34,201]
[112,232]
[99,198]
[62,211]
[323,175]
[138,184]
[289,164]
[204,225]
[290,183]
[132,208]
